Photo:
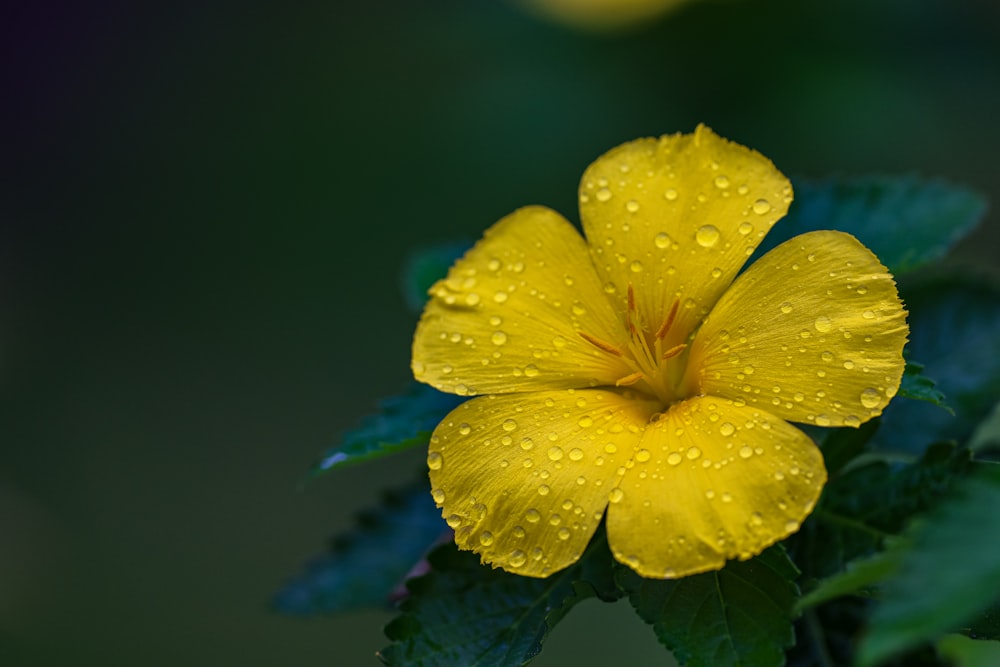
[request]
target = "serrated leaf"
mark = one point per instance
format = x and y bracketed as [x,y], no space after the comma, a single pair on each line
[905,220]
[954,329]
[951,572]
[364,567]
[402,422]
[465,614]
[919,387]
[961,651]
[740,616]
[426,266]
[866,504]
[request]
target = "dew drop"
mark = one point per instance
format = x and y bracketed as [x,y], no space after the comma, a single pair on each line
[603,194]
[575,454]
[486,538]
[616,495]
[670,194]
[438,496]
[727,429]
[693,453]
[543,490]
[786,307]
[527,444]
[555,453]
[509,425]
[435,460]
[533,516]
[823,420]
[500,297]
[707,236]
[464,429]
[674,459]
[852,420]
[563,534]
[636,266]
[826,356]
[531,371]
[721,182]
[870,398]
[472,299]
[498,338]
[726,497]
[632,206]
[517,558]
[453,521]
[746,452]
[761,206]
[642,455]
[822,324]
[585,422]
[662,241]
[745,228]
[848,364]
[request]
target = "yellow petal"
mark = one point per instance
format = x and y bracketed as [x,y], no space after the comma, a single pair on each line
[523,479]
[677,217]
[712,481]
[812,332]
[508,317]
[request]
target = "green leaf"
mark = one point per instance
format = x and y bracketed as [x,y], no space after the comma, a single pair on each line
[842,445]
[739,616]
[866,504]
[955,330]
[949,575]
[363,568]
[919,387]
[463,613]
[964,652]
[425,267]
[905,220]
[402,422]
[859,578]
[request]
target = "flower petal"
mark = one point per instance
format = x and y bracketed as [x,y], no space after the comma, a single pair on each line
[712,481]
[507,317]
[677,217]
[523,479]
[812,332]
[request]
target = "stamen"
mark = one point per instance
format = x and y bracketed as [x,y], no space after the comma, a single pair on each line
[629,379]
[674,351]
[631,310]
[671,316]
[600,344]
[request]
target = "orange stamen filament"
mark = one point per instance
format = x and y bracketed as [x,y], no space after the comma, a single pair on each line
[600,344]
[629,379]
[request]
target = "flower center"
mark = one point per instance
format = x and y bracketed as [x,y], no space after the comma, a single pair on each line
[656,369]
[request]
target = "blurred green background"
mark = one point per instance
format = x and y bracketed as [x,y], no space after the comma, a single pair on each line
[203,212]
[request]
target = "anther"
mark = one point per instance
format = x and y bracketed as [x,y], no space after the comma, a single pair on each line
[629,379]
[671,316]
[600,344]
[674,351]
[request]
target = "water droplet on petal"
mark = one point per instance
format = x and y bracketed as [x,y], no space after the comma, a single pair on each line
[761,206]
[486,538]
[632,206]
[438,496]
[870,398]
[745,228]
[563,534]
[543,490]
[509,425]
[707,236]
[616,495]
[453,521]
[642,455]
[670,194]
[464,429]
[555,453]
[435,460]
[721,182]
[727,429]
[746,452]
[585,422]
[786,307]
[674,458]
[498,338]
[823,420]
[575,454]
[527,443]
[662,240]
[822,324]
[603,194]
[533,516]
[517,558]
[636,266]
[693,453]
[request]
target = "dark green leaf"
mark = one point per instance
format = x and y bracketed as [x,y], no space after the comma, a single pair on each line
[950,574]
[905,220]
[842,445]
[401,422]
[364,567]
[740,616]
[919,387]
[425,267]
[964,652]
[955,331]
[859,578]
[868,503]
[466,614]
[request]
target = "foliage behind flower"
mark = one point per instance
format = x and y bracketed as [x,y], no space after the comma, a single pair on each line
[602,14]
[634,372]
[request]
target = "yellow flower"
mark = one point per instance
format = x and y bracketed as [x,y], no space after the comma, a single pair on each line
[635,373]
[601,14]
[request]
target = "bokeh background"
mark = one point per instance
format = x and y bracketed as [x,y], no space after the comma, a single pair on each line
[204,207]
